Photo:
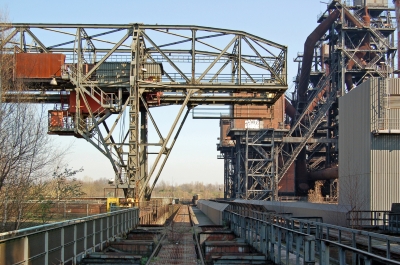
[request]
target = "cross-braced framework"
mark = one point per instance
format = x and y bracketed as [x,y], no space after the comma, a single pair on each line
[351,44]
[258,180]
[249,163]
[109,71]
[356,43]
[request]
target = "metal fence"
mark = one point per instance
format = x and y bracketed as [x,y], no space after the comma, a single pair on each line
[384,220]
[365,219]
[393,224]
[293,241]
[65,242]
[388,124]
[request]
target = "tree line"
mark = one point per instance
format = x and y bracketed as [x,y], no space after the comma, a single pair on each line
[186,191]
[31,167]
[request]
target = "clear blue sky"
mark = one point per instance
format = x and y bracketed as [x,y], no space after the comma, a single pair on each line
[194,157]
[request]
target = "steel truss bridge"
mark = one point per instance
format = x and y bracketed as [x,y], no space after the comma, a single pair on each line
[108,70]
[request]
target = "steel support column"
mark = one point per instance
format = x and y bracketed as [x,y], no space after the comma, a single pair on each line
[133,170]
[143,147]
[112,76]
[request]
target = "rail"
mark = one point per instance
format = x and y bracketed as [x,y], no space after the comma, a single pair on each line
[105,100]
[177,58]
[388,124]
[259,79]
[384,220]
[156,212]
[65,242]
[358,219]
[110,100]
[196,236]
[179,244]
[393,222]
[294,241]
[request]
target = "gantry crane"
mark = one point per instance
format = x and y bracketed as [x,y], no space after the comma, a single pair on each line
[97,73]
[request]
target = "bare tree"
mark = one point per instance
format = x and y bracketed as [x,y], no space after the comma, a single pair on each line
[353,192]
[66,184]
[27,154]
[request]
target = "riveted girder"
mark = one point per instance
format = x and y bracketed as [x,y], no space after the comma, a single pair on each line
[110,69]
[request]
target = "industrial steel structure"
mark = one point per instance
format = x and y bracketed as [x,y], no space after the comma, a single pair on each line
[95,74]
[354,42]
[370,136]
[104,81]
[272,144]
[66,242]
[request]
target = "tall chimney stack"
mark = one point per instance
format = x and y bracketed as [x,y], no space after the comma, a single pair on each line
[397,6]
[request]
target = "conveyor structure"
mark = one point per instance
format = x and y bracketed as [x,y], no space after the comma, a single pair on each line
[96,74]
[354,41]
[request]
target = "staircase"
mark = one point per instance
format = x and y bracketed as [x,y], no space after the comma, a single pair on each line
[306,123]
[308,132]
[354,58]
[374,31]
[267,157]
[314,165]
[261,162]
[315,149]
[258,136]
[105,100]
[277,65]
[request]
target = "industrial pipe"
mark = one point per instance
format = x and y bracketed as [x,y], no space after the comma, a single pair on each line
[397,6]
[309,45]
[309,53]
[317,98]
[365,44]
[324,174]
[289,109]
[302,173]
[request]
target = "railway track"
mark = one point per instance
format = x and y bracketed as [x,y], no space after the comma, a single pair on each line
[178,245]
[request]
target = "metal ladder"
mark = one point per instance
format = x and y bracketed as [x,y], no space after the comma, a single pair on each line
[262,179]
[301,123]
[105,100]
[374,31]
[308,132]
[316,163]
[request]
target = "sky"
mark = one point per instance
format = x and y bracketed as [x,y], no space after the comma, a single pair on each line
[194,157]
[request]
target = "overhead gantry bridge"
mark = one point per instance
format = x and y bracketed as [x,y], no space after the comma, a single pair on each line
[95,73]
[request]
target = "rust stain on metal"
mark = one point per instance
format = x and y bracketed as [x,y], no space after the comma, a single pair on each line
[42,65]
[178,247]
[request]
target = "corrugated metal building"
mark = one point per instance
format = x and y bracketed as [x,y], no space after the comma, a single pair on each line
[369,144]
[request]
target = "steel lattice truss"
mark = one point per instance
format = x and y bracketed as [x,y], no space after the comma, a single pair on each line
[359,45]
[259,172]
[129,68]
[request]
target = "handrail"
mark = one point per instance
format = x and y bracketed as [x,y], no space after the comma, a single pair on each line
[106,100]
[324,234]
[65,242]
[376,32]
[41,228]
